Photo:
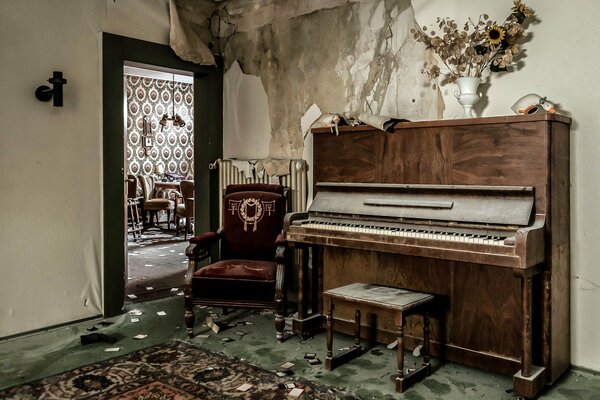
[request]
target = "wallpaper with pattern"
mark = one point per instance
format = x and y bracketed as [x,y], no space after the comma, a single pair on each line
[174,146]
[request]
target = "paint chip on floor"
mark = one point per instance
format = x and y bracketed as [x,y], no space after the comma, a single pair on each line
[161,313]
[112,349]
[245,387]
[287,365]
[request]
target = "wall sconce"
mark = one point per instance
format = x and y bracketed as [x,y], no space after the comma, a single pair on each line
[45,93]
[176,118]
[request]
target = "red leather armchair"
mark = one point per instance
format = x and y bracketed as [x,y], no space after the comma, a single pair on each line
[250,269]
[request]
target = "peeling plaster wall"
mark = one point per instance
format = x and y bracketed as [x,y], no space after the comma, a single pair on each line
[339,55]
[50,157]
[344,56]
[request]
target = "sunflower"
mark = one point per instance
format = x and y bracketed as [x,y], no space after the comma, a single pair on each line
[494,35]
[521,8]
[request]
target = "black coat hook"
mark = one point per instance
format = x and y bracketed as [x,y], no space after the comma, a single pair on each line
[45,93]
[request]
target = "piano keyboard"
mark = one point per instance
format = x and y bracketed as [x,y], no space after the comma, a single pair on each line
[464,237]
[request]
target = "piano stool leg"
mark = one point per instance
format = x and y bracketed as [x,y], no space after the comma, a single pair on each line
[405,380]
[329,319]
[334,361]
[357,329]
[400,352]
[426,340]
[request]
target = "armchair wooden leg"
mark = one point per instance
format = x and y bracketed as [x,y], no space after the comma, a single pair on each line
[177,225]
[189,317]
[187,226]
[279,319]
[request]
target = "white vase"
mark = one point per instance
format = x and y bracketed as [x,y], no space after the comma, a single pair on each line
[467,94]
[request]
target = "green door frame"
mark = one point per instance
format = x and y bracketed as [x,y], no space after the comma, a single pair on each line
[208,146]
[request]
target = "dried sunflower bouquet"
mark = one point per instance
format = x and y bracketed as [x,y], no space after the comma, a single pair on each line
[479,45]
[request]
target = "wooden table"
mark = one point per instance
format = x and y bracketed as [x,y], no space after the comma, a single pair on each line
[167,185]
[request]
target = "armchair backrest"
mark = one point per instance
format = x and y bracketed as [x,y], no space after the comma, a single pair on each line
[187,190]
[252,219]
[147,184]
[131,186]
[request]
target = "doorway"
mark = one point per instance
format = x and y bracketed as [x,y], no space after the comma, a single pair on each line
[207,137]
[159,156]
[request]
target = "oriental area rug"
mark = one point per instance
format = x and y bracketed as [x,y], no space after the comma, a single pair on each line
[171,371]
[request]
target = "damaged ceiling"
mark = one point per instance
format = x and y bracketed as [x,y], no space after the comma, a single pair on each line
[342,55]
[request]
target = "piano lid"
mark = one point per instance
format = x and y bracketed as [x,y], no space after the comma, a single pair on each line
[498,205]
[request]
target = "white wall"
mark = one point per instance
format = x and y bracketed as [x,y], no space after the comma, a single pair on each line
[51,158]
[561,62]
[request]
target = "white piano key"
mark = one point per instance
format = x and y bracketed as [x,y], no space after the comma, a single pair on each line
[417,233]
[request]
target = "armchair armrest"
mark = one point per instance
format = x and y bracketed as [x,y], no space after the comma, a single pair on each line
[206,239]
[199,249]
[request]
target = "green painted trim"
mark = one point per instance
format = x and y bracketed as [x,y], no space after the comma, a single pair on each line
[45,329]
[208,145]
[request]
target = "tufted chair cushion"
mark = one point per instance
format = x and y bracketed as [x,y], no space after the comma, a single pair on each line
[236,279]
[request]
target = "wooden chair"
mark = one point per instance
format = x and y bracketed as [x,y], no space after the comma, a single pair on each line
[250,270]
[134,222]
[152,204]
[186,208]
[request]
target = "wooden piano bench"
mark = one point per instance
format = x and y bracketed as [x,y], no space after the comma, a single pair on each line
[402,302]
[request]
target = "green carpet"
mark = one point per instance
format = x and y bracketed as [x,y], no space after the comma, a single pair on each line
[48,353]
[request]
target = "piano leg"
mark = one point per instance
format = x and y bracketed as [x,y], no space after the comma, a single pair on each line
[306,323]
[530,380]
[317,280]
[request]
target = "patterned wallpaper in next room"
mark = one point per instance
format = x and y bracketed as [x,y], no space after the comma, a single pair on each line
[174,146]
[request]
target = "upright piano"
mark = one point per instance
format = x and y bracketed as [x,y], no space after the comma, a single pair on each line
[474,211]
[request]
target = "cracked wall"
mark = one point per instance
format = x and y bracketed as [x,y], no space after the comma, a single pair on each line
[345,56]
[545,73]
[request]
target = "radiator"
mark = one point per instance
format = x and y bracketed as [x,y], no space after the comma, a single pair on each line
[296,182]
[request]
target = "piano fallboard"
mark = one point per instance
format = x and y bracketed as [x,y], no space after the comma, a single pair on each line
[497,205]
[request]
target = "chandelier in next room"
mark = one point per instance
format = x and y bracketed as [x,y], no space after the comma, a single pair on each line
[176,118]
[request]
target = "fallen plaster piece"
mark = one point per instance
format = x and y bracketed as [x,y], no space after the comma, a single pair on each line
[310,116]
[184,42]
